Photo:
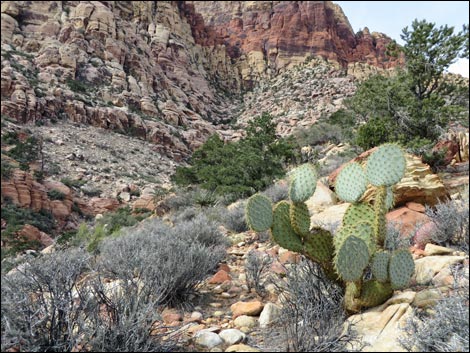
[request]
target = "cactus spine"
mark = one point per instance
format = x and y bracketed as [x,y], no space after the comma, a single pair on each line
[359,243]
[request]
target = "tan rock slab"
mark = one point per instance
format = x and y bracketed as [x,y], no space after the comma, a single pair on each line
[427,267]
[241,348]
[246,308]
[431,249]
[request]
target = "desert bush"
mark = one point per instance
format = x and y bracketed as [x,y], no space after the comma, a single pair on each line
[43,307]
[451,223]
[164,263]
[277,192]
[312,317]
[19,216]
[234,218]
[185,214]
[319,133]
[128,322]
[55,195]
[255,267]
[447,328]
[183,198]
[200,229]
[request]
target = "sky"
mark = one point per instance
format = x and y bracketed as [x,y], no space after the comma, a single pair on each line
[390,17]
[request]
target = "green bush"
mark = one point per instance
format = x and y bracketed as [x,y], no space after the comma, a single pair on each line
[18,216]
[239,168]
[73,183]
[55,195]
[23,152]
[374,133]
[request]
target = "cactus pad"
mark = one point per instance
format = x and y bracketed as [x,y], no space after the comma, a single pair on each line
[303,183]
[351,183]
[358,212]
[300,218]
[389,198]
[282,231]
[259,213]
[362,230]
[351,259]
[401,268]
[380,266]
[318,245]
[374,293]
[386,166]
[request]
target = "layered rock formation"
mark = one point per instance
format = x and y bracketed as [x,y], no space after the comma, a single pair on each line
[267,36]
[169,72]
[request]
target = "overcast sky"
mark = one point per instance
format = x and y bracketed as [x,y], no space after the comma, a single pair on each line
[390,17]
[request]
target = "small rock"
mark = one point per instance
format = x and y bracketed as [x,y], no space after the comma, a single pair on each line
[196,316]
[208,339]
[246,308]
[216,305]
[232,336]
[220,277]
[269,315]
[245,321]
[241,348]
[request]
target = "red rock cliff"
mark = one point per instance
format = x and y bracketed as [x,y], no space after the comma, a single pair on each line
[265,36]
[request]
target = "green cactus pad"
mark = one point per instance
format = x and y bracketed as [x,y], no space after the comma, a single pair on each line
[379,265]
[259,213]
[282,231]
[401,268]
[351,259]
[362,230]
[303,183]
[365,231]
[374,293]
[341,236]
[389,198]
[351,183]
[318,245]
[358,212]
[300,218]
[386,166]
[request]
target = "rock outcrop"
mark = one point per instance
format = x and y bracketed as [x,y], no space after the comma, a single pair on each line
[267,36]
[169,72]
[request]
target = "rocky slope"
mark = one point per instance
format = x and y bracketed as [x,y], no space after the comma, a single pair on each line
[169,72]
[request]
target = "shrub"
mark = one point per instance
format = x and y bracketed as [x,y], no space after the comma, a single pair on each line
[165,264]
[312,316]
[200,229]
[277,192]
[374,133]
[73,183]
[6,169]
[447,328]
[43,308]
[451,223]
[319,133]
[55,195]
[234,218]
[255,267]
[49,305]
[239,168]
[25,152]
[92,192]
[18,216]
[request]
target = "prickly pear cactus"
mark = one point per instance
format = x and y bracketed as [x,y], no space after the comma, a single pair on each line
[303,183]
[259,213]
[359,243]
